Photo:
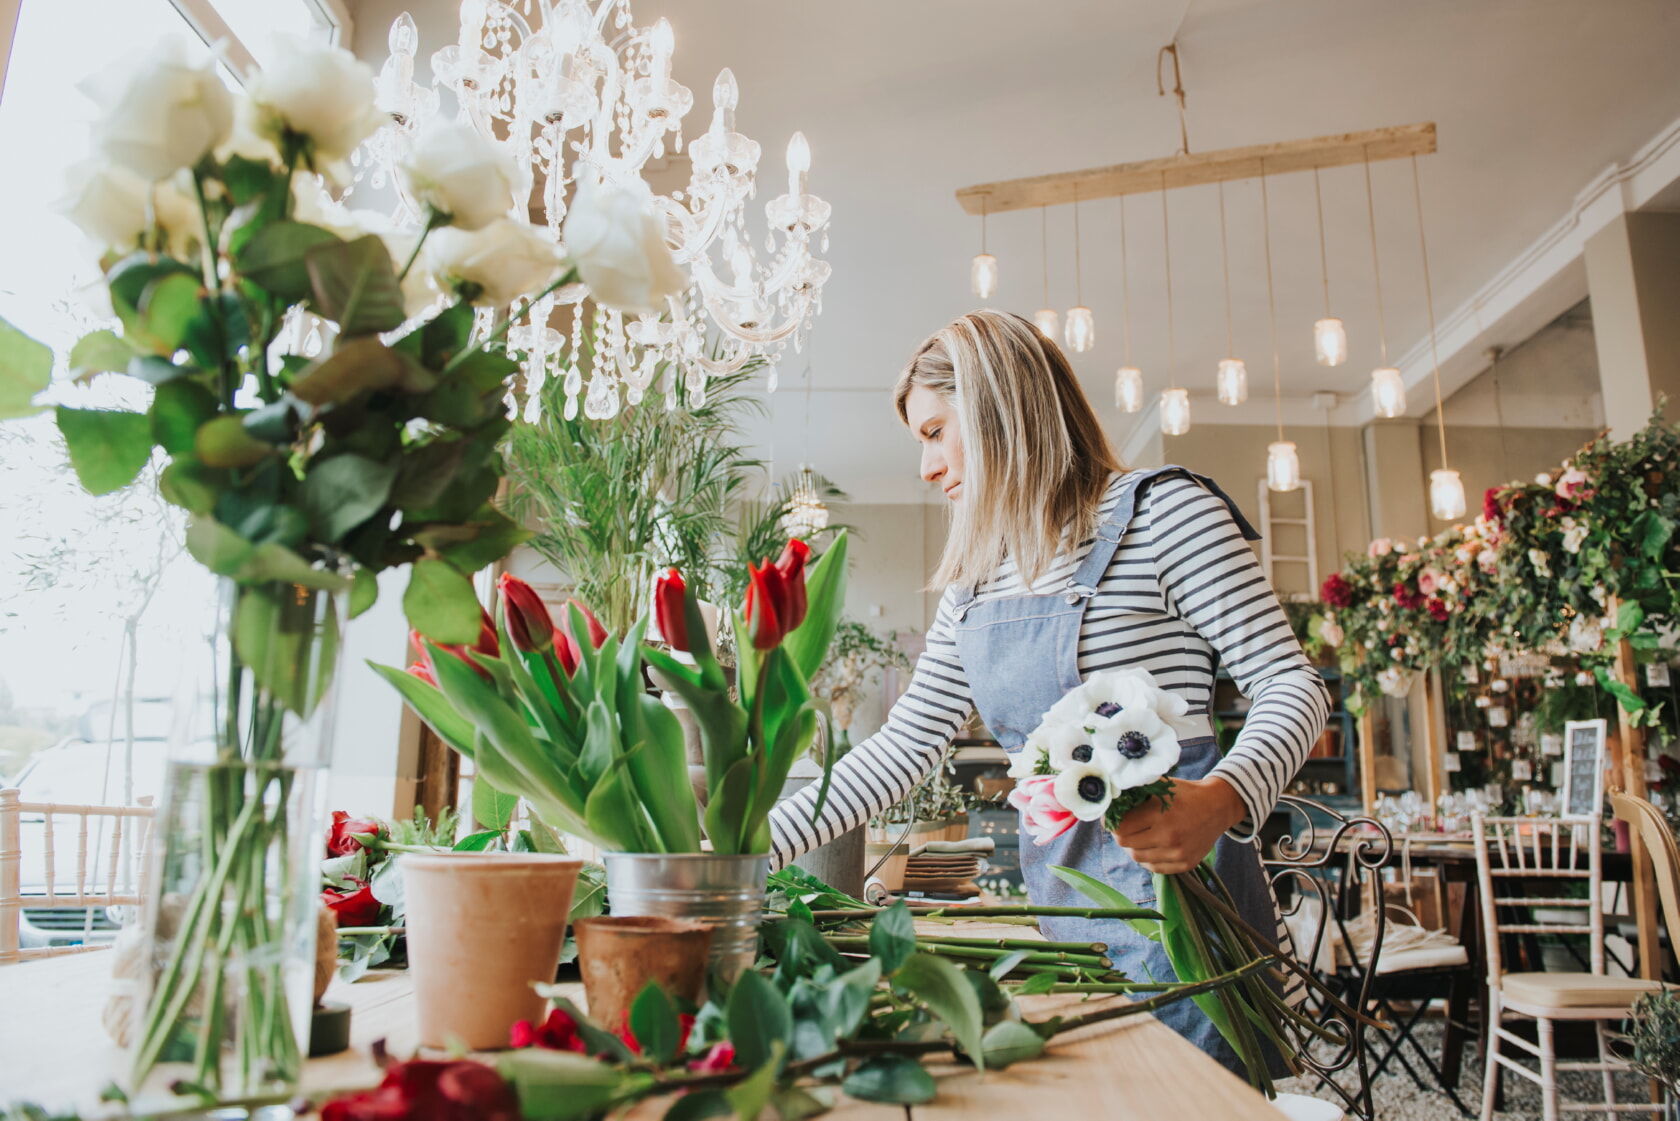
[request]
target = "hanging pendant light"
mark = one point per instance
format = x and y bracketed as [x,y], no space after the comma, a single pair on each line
[806,513]
[1329,336]
[1446,488]
[1045,317]
[1233,375]
[1388,388]
[1081,328]
[1128,379]
[1283,465]
[983,272]
[1175,402]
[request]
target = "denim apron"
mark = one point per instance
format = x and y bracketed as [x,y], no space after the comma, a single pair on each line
[1020,655]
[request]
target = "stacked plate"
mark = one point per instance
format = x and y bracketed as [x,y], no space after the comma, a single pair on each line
[946,868]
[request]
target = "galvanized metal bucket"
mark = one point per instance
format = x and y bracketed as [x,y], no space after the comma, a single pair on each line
[725,892]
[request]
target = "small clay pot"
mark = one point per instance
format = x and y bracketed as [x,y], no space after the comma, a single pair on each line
[482,927]
[619,954]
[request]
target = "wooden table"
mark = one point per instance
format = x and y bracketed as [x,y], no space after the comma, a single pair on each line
[53,1052]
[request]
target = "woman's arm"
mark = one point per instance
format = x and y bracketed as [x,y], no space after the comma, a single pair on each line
[885,767]
[1210,578]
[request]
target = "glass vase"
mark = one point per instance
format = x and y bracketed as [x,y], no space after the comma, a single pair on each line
[234,869]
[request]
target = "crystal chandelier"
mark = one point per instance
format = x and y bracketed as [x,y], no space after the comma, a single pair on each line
[806,513]
[571,88]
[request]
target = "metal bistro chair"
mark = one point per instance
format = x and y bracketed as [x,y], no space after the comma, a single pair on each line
[1513,855]
[1335,869]
[88,891]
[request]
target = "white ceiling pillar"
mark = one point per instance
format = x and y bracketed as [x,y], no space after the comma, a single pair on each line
[1633,279]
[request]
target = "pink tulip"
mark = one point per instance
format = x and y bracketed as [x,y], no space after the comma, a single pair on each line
[1041,814]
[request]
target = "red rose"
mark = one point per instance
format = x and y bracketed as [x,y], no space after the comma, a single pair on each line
[1491,510]
[557,1033]
[1408,597]
[421,1090]
[720,1058]
[354,908]
[342,839]
[1336,592]
[1437,610]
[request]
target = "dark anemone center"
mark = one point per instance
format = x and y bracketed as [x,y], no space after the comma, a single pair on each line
[1134,745]
[1092,788]
[1107,708]
[1082,753]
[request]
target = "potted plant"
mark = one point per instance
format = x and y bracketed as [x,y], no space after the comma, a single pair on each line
[559,714]
[1653,1036]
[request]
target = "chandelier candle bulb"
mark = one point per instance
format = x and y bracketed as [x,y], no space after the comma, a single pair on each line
[1047,321]
[1128,388]
[1233,382]
[663,42]
[1081,330]
[1330,342]
[1283,466]
[1175,412]
[1446,494]
[983,275]
[1388,392]
[798,164]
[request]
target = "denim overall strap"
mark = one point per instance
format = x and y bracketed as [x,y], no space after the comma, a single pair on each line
[1020,654]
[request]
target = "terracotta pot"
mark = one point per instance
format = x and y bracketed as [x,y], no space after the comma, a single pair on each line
[619,954]
[481,928]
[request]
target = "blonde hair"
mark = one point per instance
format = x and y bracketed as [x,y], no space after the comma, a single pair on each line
[1035,458]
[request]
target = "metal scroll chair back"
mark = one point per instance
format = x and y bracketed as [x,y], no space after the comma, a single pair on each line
[100,871]
[1338,867]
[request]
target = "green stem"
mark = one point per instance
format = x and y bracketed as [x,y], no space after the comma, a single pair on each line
[433,221]
[955,912]
[568,277]
[983,953]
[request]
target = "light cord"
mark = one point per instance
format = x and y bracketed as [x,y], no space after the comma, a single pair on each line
[1271,300]
[1044,249]
[1429,303]
[1166,246]
[1225,260]
[1323,256]
[1125,286]
[1376,269]
[1078,264]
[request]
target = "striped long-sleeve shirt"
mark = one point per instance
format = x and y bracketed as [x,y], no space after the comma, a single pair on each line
[1183,590]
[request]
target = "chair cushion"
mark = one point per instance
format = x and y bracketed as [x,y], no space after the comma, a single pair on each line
[1574,990]
[1424,957]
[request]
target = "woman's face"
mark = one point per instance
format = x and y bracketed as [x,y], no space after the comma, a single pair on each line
[933,420]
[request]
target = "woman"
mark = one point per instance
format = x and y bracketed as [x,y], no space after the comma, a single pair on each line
[1060,564]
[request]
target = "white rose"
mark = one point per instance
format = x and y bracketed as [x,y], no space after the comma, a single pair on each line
[1541,562]
[618,244]
[1394,682]
[1574,535]
[321,95]
[456,170]
[108,202]
[158,114]
[506,260]
[1331,631]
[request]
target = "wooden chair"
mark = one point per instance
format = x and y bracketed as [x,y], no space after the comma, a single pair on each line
[1512,856]
[91,888]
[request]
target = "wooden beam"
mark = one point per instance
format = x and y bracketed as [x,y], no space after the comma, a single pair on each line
[1367,762]
[1627,774]
[1393,143]
[1435,736]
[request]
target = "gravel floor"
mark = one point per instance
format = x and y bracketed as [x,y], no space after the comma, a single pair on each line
[1398,1098]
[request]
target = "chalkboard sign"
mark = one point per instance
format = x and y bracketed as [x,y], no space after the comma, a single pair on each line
[1583,767]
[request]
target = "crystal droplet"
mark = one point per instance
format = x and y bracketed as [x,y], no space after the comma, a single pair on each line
[571,410]
[772,380]
[825,241]
[697,397]
[312,342]
[533,410]
[574,382]
[633,395]
[770,242]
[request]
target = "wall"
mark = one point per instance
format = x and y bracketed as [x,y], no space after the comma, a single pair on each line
[1484,457]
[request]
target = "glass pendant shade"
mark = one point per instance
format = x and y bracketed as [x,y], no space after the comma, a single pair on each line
[1283,466]
[1081,330]
[1330,341]
[1388,392]
[806,512]
[1175,412]
[1446,494]
[1233,382]
[983,275]
[1128,388]
[1047,321]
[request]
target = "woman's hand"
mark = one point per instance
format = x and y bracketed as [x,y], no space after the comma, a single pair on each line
[1177,838]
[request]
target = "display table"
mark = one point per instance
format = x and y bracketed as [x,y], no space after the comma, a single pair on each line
[53,1052]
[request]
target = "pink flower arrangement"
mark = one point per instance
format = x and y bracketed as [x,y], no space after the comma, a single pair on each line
[1336,592]
[1572,485]
[1428,581]
[1042,813]
[1381,547]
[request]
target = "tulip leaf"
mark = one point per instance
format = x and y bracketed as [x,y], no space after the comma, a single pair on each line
[108,447]
[99,352]
[491,808]
[343,492]
[760,1023]
[441,603]
[825,596]
[1105,895]
[728,806]
[355,285]
[614,816]
[653,1021]
[25,370]
[699,1105]
[940,986]
[273,259]
[659,772]
[431,706]
[894,1079]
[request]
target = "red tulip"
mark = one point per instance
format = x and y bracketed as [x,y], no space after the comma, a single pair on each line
[356,907]
[528,621]
[570,654]
[345,832]
[792,567]
[597,633]
[669,596]
[764,590]
[487,644]
[423,670]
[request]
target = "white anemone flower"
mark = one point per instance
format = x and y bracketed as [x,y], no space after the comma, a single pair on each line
[1146,747]
[1085,790]
[1024,763]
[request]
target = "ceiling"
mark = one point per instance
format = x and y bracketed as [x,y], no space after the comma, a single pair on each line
[903,103]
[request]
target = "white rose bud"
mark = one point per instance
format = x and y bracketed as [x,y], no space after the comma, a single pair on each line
[158,114]
[456,170]
[618,244]
[322,95]
[506,260]
[108,203]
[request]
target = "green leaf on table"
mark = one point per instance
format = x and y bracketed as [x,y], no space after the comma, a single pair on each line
[941,987]
[491,808]
[760,1023]
[751,1095]
[698,1105]
[1107,897]
[108,447]
[481,841]
[364,591]
[1010,1041]
[273,259]
[562,1086]
[795,1103]
[1001,967]
[995,1004]
[355,285]
[1037,983]
[343,492]
[653,1021]
[895,1079]
[845,1002]
[441,603]
[892,937]
[355,366]
[386,884]
[25,370]
[179,408]
[99,352]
